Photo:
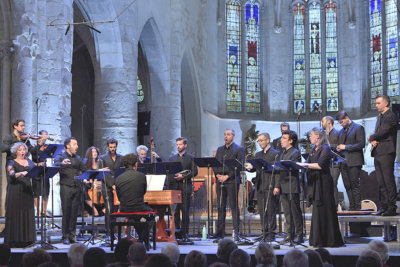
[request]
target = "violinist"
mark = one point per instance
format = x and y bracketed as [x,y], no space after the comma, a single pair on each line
[36,152]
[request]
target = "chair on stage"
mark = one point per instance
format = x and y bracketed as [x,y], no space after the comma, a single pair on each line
[368,204]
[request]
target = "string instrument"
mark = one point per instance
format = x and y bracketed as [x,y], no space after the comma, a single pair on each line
[44,147]
[26,136]
[152,149]
[95,193]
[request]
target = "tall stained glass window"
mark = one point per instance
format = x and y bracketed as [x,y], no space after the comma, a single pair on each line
[233,65]
[392,50]
[375,23]
[332,98]
[140,93]
[315,55]
[299,77]
[252,57]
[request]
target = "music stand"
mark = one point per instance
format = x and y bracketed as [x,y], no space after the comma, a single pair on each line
[52,151]
[290,166]
[43,172]
[99,176]
[209,162]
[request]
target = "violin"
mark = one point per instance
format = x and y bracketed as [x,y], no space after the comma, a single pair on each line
[44,147]
[26,136]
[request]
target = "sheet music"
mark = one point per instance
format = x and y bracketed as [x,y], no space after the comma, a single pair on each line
[155,182]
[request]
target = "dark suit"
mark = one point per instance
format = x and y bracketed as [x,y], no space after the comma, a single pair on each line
[333,138]
[265,184]
[384,156]
[186,187]
[229,188]
[354,140]
[292,187]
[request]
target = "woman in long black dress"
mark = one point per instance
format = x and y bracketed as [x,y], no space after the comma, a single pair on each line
[324,222]
[20,213]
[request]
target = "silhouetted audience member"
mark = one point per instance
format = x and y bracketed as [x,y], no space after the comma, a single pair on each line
[5,253]
[381,248]
[75,254]
[115,264]
[325,256]
[265,256]
[49,264]
[158,260]
[195,258]
[137,254]
[295,258]
[94,257]
[219,264]
[314,259]
[172,252]
[121,252]
[35,258]
[239,258]
[225,248]
[369,258]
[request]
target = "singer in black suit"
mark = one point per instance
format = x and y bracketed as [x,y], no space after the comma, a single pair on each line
[183,182]
[383,143]
[264,184]
[351,144]
[333,138]
[228,182]
[289,184]
[276,143]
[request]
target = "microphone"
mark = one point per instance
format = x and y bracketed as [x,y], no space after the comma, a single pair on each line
[37,100]
[299,113]
[320,109]
[83,107]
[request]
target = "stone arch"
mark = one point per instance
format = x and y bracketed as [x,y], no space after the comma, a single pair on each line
[190,104]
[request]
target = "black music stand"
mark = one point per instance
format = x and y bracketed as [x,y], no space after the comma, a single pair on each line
[209,162]
[290,166]
[43,172]
[99,176]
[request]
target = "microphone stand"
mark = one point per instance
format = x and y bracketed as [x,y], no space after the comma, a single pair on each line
[83,190]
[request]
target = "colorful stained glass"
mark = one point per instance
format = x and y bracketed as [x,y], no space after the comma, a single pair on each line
[252,57]
[140,93]
[331,57]
[299,66]
[233,66]
[392,50]
[375,23]
[315,56]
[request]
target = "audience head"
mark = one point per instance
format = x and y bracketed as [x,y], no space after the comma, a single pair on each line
[314,259]
[369,258]
[265,255]
[325,255]
[35,258]
[157,260]
[75,254]
[195,258]
[5,253]
[239,258]
[94,257]
[295,258]
[225,248]
[137,254]
[381,248]
[122,250]
[219,264]
[48,264]
[171,250]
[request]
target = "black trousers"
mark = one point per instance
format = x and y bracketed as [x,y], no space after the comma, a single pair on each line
[183,207]
[296,214]
[335,173]
[109,205]
[229,192]
[270,215]
[384,168]
[70,202]
[351,180]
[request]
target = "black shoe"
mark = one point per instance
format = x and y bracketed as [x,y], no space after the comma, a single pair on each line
[389,212]
[215,236]
[299,239]
[259,238]
[287,239]
[66,242]
[380,211]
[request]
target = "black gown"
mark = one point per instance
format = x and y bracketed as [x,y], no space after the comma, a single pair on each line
[20,213]
[325,230]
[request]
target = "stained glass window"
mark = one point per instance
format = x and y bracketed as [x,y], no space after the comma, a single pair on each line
[299,77]
[233,65]
[332,98]
[392,51]
[252,57]
[375,23]
[140,94]
[315,56]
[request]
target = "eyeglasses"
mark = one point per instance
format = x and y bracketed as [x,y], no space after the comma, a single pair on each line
[261,140]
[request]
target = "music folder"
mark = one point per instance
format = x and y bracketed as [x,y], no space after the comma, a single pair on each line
[38,171]
[207,162]
[51,151]
[93,174]
[289,165]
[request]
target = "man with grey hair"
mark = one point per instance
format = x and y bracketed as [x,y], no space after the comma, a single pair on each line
[142,155]
[295,258]
[381,248]
[75,254]
[369,258]
[172,252]
[137,254]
